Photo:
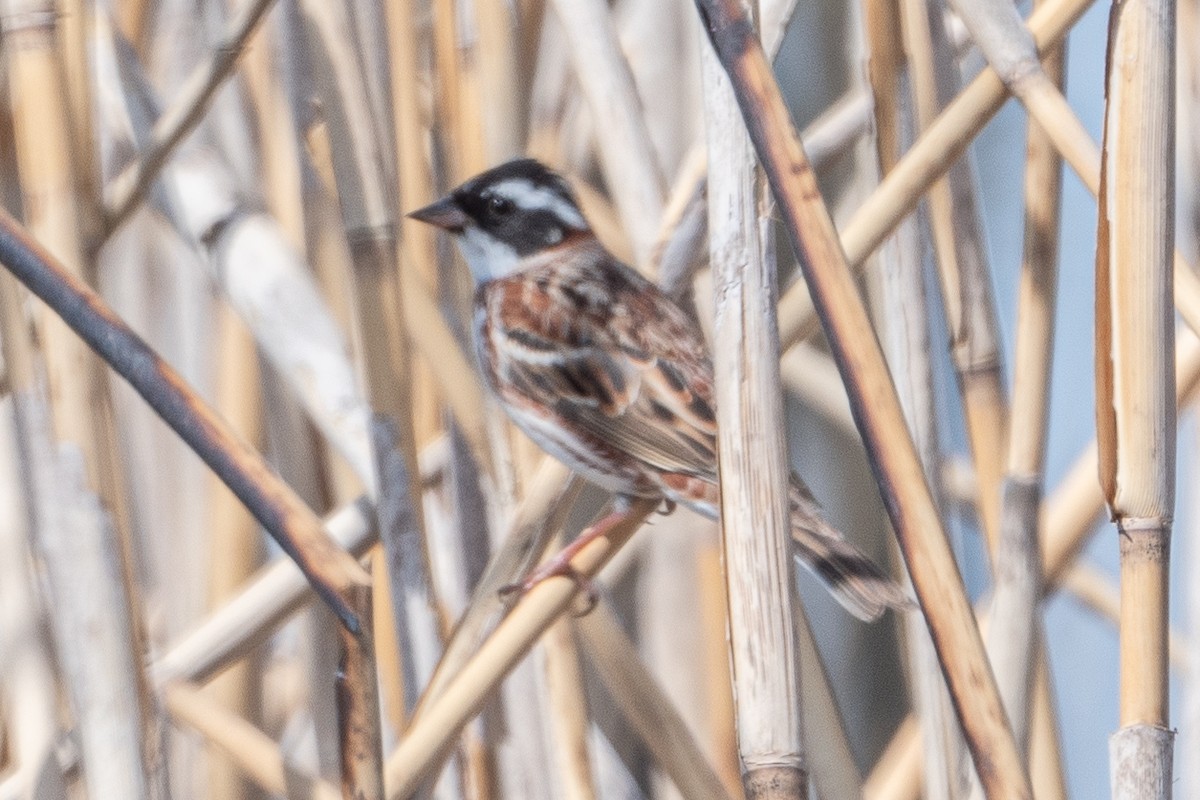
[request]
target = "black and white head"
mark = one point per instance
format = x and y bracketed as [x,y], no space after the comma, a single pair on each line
[506,214]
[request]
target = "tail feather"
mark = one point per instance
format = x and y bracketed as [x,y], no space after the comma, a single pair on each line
[853,579]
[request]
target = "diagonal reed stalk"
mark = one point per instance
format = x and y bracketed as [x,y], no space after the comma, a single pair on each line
[923,542]
[332,571]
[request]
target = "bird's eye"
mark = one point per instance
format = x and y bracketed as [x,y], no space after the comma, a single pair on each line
[500,206]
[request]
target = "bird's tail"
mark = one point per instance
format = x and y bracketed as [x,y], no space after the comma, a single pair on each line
[853,579]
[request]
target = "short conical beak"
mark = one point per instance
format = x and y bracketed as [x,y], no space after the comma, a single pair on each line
[445,214]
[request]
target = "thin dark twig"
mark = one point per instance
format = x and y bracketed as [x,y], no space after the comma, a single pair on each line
[129,188]
[332,571]
[358,708]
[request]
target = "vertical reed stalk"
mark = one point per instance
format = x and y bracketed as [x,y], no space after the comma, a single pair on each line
[903,315]
[630,165]
[960,250]
[570,724]
[368,218]
[877,410]
[930,157]
[234,549]
[1135,382]
[752,459]
[408,51]
[81,415]
[1013,637]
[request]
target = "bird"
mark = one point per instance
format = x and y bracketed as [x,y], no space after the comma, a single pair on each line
[603,370]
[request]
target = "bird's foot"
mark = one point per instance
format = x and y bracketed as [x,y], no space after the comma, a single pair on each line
[560,565]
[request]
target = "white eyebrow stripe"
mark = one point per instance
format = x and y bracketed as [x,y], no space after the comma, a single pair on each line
[527,196]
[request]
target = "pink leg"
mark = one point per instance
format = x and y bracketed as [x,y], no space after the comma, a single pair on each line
[560,564]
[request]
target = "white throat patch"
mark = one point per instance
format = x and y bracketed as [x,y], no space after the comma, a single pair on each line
[487,256]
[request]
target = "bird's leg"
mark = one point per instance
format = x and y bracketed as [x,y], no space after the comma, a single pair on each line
[560,564]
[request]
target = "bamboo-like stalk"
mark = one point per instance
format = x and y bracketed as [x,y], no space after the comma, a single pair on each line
[1045,757]
[272,595]
[331,570]
[568,705]
[1134,377]
[902,316]
[415,187]
[1009,48]
[752,460]
[234,549]
[1188,200]
[1013,636]
[31,692]
[933,153]
[645,706]
[962,266]
[548,497]
[119,749]
[367,214]
[358,708]
[252,750]
[425,742]
[630,165]
[1068,517]
[1097,591]
[935,576]
[127,190]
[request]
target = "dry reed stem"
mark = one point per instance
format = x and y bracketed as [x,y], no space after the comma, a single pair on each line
[631,168]
[1045,756]
[425,742]
[832,766]
[548,497]
[99,555]
[902,314]
[962,266]
[286,517]
[569,722]
[357,688]
[752,459]
[1009,48]
[931,564]
[252,750]
[1018,588]
[1068,518]
[265,600]
[75,26]
[31,692]
[234,549]
[929,158]
[125,192]
[1134,376]
[415,189]
[273,291]
[1100,593]
[645,706]
[358,155]
[502,104]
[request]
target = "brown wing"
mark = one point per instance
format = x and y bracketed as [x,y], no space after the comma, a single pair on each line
[609,354]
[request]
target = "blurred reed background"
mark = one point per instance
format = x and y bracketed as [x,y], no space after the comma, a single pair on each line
[232,177]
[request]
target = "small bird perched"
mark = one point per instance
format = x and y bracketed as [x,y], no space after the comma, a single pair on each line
[601,369]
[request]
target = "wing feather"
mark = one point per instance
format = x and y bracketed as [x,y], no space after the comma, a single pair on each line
[575,340]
